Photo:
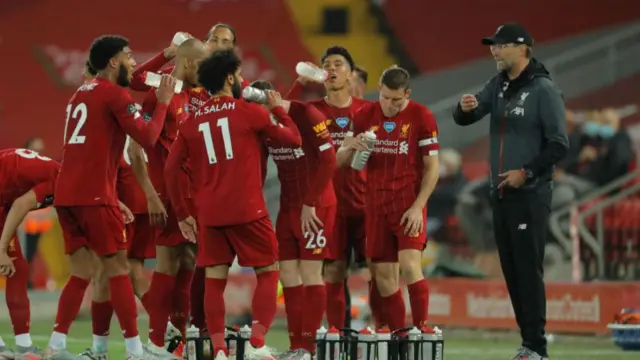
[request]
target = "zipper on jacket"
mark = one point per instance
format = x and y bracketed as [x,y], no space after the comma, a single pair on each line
[502,130]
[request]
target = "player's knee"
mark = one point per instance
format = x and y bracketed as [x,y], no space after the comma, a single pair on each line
[335,271]
[311,272]
[290,273]
[387,278]
[410,266]
[115,264]
[83,264]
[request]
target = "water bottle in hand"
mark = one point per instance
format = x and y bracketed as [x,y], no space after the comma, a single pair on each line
[254,95]
[361,157]
[152,79]
[312,72]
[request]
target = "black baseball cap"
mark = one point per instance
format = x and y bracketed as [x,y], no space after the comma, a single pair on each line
[509,33]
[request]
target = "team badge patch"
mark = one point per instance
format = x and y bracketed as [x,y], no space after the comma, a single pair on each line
[389,126]
[132,109]
[146,117]
[342,122]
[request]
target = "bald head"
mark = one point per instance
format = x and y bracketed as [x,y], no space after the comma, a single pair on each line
[191,49]
[188,57]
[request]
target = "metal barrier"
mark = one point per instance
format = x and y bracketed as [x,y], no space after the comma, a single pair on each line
[576,72]
[595,243]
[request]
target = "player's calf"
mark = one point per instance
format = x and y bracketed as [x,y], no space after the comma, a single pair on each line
[18,302]
[182,289]
[82,270]
[314,303]
[293,292]
[411,272]
[158,300]
[335,272]
[139,279]
[101,312]
[387,280]
[264,304]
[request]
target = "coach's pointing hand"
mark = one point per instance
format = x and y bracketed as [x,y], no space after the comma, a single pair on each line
[189,229]
[468,102]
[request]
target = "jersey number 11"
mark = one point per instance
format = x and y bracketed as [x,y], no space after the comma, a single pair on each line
[205,129]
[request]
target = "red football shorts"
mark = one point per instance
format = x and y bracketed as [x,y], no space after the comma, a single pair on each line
[385,236]
[348,234]
[98,228]
[294,245]
[141,238]
[170,235]
[254,243]
[14,250]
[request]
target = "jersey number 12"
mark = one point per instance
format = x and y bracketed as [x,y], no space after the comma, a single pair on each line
[79,113]
[205,129]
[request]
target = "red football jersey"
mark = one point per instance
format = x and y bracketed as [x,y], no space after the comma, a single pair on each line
[129,190]
[99,116]
[349,184]
[157,154]
[305,172]
[395,168]
[22,170]
[223,142]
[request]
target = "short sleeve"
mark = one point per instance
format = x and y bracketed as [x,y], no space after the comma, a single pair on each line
[428,134]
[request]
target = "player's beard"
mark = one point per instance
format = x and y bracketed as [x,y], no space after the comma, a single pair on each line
[123,76]
[236,88]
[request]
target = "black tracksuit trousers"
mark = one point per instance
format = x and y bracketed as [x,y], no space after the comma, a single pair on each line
[520,222]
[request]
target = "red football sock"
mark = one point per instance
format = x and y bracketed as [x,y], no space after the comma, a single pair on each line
[17,297]
[181,300]
[69,303]
[101,313]
[215,311]
[124,305]
[336,304]
[160,301]
[419,299]
[394,309]
[293,298]
[198,318]
[264,306]
[314,305]
[375,303]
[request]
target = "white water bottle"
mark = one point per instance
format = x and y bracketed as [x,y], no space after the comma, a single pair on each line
[439,344]
[306,70]
[254,95]
[415,344]
[321,335]
[193,333]
[366,344]
[152,79]
[179,38]
[333,344]
[361,157]
[384,337]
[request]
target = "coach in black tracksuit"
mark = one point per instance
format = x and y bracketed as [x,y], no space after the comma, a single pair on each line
[528,137]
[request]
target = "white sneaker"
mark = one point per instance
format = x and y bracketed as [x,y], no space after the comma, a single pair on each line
[152,351]
[6,353]
[221,356]
[172,333]
[90,354]
[261,353]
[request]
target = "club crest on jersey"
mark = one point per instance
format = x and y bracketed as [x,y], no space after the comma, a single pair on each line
[404,130]
[389,126]
[342,122]
[374,128]
[146,117]
[132,109]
